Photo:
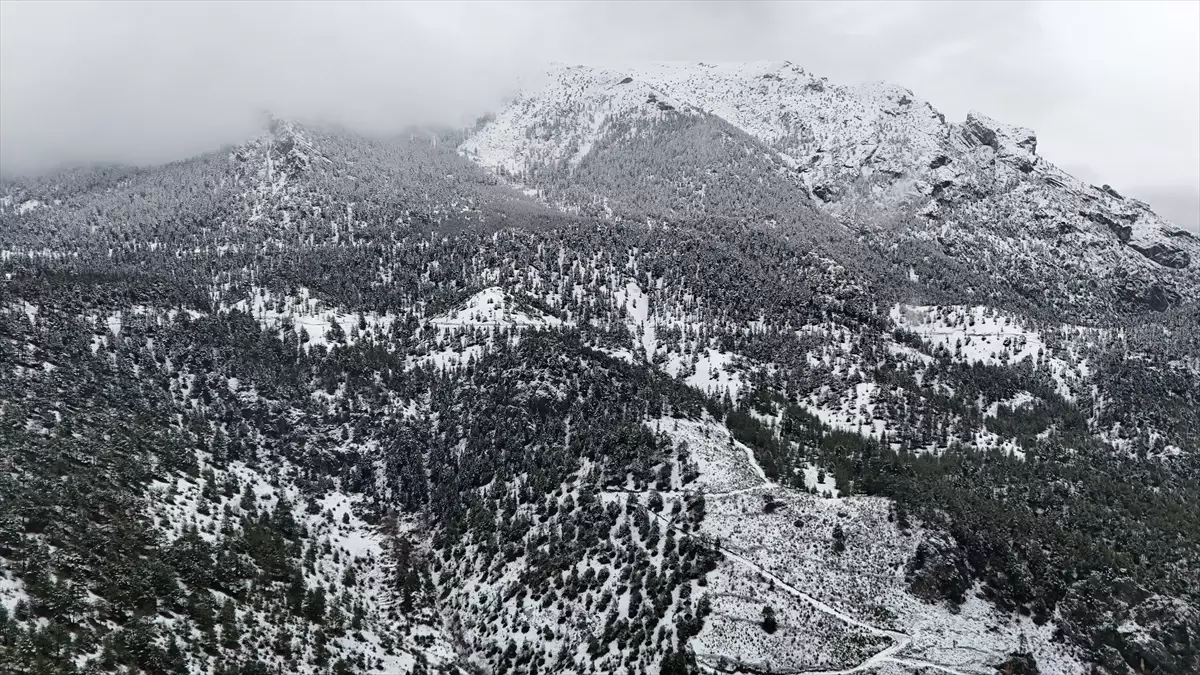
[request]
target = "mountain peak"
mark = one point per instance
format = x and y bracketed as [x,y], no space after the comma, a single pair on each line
[872,155]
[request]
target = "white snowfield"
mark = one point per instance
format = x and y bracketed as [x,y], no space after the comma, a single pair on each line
[979,334]
[494,308]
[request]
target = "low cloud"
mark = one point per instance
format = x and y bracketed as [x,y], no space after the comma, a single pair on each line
[1113,87]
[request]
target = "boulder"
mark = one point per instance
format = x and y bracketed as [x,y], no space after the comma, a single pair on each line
[1123,232]
[1153,295]
[1164,254]
[825,193]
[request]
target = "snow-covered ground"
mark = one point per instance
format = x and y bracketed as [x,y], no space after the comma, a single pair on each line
[712,371]
[340,541]
[805,638]
[724,464]
[854,412]
[12,589]
[980,334]
[310,318]
[493,308]
[843,611]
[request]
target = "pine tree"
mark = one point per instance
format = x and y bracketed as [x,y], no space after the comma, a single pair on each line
[230,632]
[768,621]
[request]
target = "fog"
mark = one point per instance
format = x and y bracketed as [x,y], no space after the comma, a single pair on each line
[1113,89]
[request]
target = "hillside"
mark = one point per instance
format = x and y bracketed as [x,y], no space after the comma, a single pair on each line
[604,385]
[874,156]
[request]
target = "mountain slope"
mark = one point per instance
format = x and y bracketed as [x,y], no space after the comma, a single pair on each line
[363,407]
[872,155]
[604,144]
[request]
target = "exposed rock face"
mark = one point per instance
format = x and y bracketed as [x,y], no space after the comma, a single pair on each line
[1164,254]
[1122,231]
[1016,146]
[1153,295]
[1000,137]
[1020,663]
[1140,610]
[824,193]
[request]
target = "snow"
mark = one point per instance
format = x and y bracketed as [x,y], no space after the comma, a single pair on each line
[585,100]
[450,358]
[637,307]
[980,334]
[176,505]
[888,148]
[713,372]
[806,638]
[494,308]
[1018,400]
[803,117]
[864,587]
[909,353]
[302,312]
[978,637]
[12,589]
[725,465]
[836,613]
[1010,140]
[621,354]
[30,205]
[854,412]
[813,481]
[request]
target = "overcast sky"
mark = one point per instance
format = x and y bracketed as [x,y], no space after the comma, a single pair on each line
[1112,89]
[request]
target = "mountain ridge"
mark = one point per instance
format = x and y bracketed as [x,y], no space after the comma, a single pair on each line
[329,403]
[873,156]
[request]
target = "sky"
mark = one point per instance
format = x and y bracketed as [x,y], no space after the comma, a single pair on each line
[1111,88]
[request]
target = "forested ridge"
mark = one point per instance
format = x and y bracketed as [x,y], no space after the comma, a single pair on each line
[326,403]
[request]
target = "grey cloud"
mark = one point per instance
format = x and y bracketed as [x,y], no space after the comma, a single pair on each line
[148,82]
[1179,204]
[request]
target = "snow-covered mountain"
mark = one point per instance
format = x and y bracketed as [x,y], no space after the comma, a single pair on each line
[667,371]
[874,156]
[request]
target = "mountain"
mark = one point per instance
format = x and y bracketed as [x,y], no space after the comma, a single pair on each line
[622,380]
[875,156]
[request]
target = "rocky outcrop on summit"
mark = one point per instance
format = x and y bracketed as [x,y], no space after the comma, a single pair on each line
[1016,144]
[873,156]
